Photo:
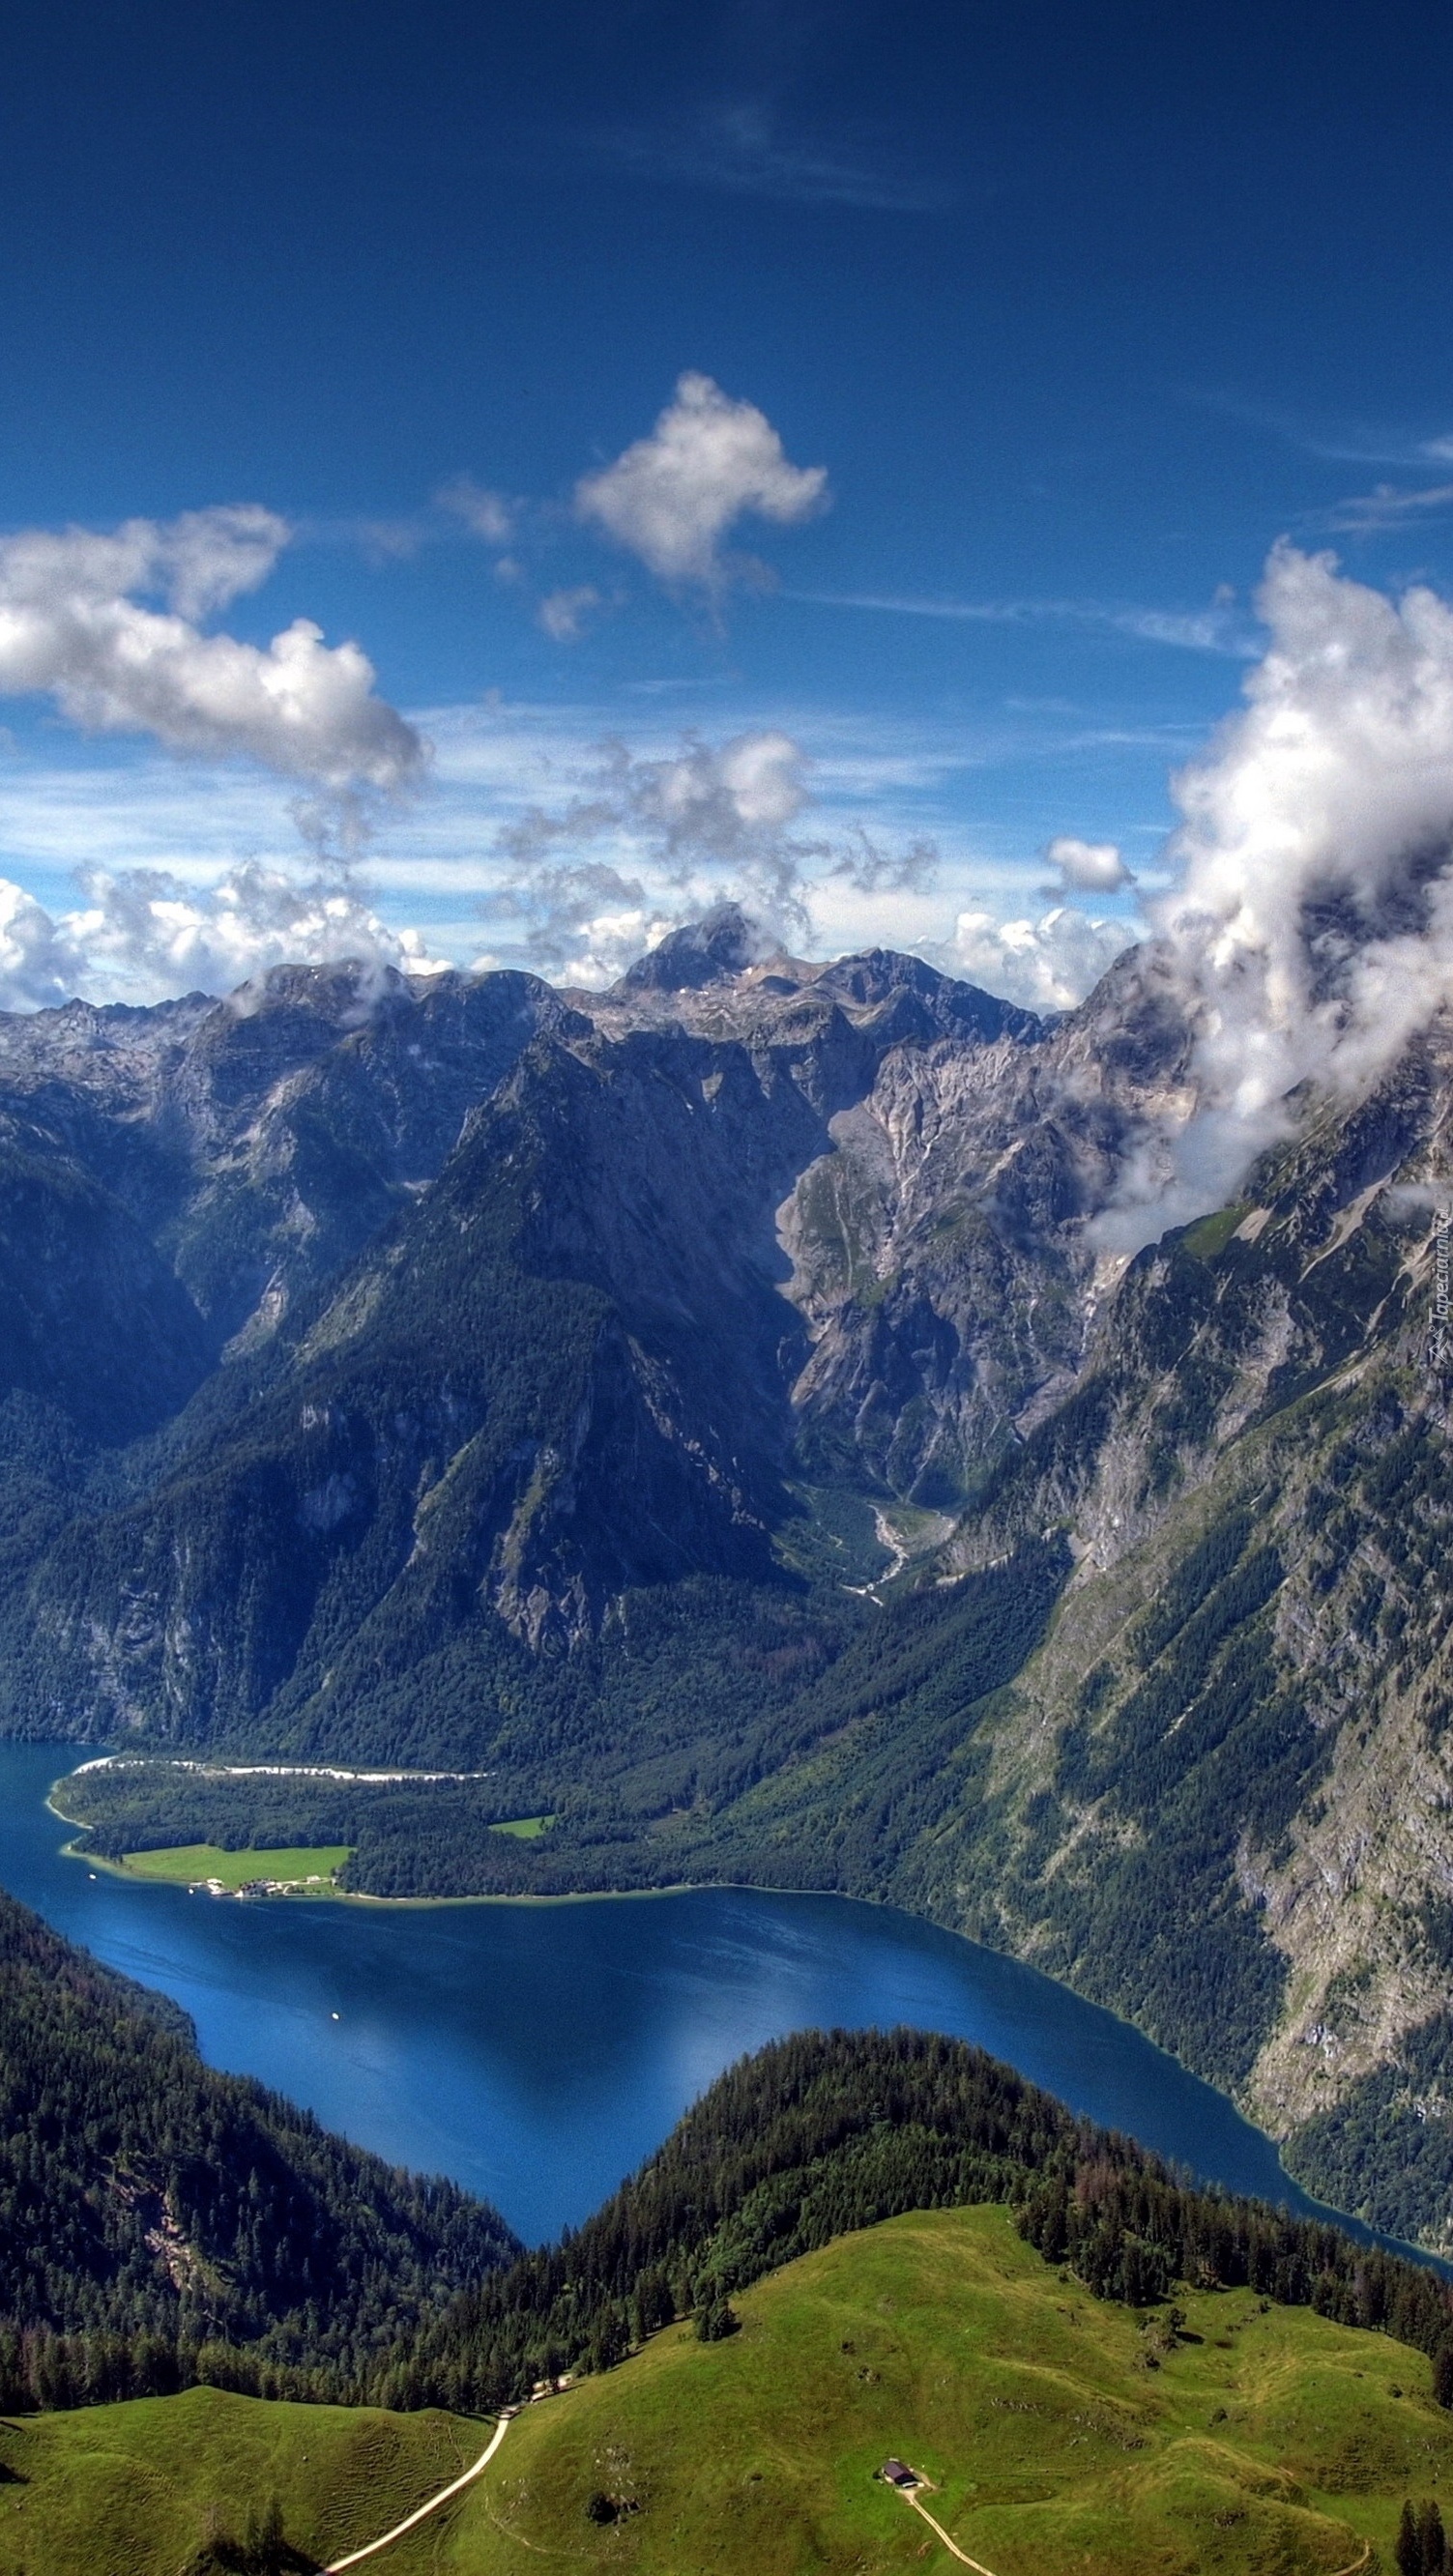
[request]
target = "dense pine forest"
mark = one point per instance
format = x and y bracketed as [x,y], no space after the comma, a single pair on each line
[634,1782]
[161,2223]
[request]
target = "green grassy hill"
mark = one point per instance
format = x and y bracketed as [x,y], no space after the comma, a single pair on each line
[167,2484]
[1060,2433]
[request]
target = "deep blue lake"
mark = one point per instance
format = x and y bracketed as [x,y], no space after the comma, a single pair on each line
[537,2052]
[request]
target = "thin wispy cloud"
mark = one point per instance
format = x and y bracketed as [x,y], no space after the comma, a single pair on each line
[1338,443]
[486,513]
[1369,514]
[378,540]
[563,613]
[1218,629]
[746,147]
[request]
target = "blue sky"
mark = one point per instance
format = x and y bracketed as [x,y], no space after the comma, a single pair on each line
[1078,310]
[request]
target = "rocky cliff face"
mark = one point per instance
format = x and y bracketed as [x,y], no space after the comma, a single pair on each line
[345,1188]
[627,1393]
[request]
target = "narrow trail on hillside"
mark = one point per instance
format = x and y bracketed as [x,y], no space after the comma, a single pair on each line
[422,2512]
[952,2546]
[1354,2567]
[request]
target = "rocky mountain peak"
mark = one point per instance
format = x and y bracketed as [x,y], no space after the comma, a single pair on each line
[722,944]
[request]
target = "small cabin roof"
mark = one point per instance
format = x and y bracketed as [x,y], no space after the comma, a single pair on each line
[899,2471]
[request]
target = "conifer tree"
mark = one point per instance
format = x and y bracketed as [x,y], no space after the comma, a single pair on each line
[1408,2550]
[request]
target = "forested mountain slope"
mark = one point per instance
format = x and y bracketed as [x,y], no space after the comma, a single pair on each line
[161,2223]
[711,1415]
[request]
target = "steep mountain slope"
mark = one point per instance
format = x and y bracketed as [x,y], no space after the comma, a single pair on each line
[560,1367]
[160,2222]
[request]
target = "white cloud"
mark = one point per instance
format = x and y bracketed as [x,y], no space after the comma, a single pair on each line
[564,612]
[672,497]
[1088,867]
[871,869]
[716,800]
[488,514]
[650,844]
[1311,930]
[73,626]
[142,935]
[864,802]
[1047,965]
[582,920]
[678,835]
[36,969]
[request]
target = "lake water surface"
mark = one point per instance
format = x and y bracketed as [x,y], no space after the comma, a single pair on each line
[537,2053]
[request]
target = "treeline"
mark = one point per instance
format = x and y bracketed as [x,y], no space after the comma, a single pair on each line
[826,2132]
[161,2223]
[1130,2232]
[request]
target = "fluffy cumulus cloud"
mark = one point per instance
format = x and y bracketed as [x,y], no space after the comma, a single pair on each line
[37,962]
[1047,965]
[729,804]
[141,935]
[580,920]
[109,625]
[1087,867]
[1310,932]
[709,461]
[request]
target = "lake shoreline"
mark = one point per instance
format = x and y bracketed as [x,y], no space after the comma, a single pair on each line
[821,1960]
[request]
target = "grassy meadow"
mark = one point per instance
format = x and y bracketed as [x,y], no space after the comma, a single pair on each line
[1062,2436]
[142,2489]
[1059,2435]
[193,1864]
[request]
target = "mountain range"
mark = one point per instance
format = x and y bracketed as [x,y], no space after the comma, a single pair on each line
[719,1416]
